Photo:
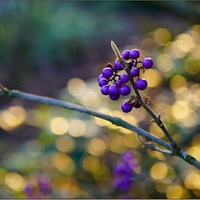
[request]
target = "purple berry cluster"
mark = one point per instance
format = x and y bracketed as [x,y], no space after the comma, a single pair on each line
[42,189]
[115,83]
[123,171]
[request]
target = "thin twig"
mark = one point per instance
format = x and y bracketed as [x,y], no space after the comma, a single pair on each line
[114,120]
[153,147]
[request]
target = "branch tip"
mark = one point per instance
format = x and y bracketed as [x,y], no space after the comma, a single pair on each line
[116,51]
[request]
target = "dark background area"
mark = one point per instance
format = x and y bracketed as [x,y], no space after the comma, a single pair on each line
[47,41]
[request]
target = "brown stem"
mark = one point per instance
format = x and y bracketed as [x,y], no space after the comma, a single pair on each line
[156,118]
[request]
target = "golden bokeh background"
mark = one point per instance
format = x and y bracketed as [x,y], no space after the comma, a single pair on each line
[78,152]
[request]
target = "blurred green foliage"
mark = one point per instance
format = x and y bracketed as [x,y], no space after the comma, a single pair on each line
[54,49]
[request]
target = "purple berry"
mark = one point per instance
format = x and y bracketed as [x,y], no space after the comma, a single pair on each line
[113,90]
[114,97]
[126,107]
[125,54]
[124,78]
[125,90]
[118,83]
[100,76]
[134,72]
[131,64]
[141,84]
[102,82]
[104,89]
[147,63]
[137,104]
[134,54]
[107,72]
[117,65]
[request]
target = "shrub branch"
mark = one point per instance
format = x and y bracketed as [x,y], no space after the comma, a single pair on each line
[114,120]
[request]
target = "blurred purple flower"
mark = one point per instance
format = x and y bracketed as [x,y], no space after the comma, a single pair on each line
[44,185]
[42,189]
[123,182]
[29,190]
[122,168]
[123,171]
[128,157]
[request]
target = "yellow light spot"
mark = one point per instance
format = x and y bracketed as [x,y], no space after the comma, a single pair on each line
[90,99]
[117,144]
[165,64]
[196,97]
[77,128]
[189,42]
[183,93]
[155,154]
[175,191]
[195,140]
[194,151]
[101,174]
[148,44]
[15,181]
[63,163]
[180,110]
[192,181]
[132,142]
[192,66]
[156,131]
[67,186]
[13,117]
[162,36]
[177,137]
[178,49]
[196,52]
[90,163]
[176,82]
[171,175]
[96,146]
[59,125]
[153,77]
[191,120]
[76,86]
[102,122]
[65,144]
[159,171]
[196,28]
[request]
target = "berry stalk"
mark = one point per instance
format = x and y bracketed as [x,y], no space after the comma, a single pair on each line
[147,63]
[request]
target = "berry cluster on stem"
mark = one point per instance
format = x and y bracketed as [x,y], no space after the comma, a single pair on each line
[114,83]
[138,100]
